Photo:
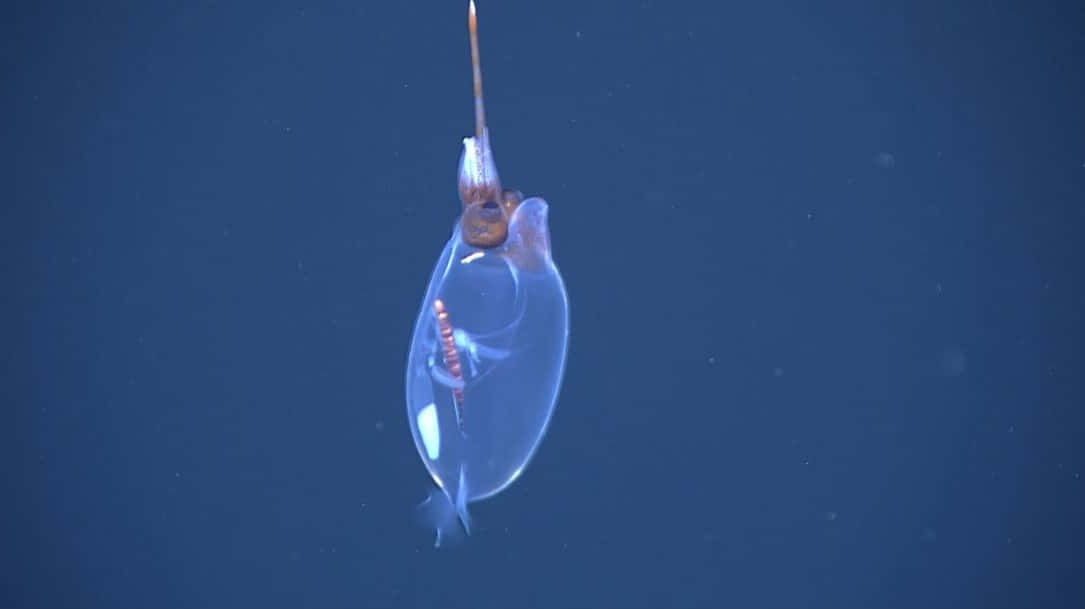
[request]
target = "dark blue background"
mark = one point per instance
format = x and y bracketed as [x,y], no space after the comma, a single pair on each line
[823,260]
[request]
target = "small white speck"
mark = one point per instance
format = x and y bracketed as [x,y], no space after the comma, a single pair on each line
[712,359]
[885,160]
[953,361]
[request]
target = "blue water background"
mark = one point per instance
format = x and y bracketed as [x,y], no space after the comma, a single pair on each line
[824,263]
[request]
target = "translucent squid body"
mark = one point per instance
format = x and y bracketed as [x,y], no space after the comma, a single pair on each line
[488,350]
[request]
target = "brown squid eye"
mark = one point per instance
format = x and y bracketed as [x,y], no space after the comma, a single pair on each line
[511,199]
[485,225]
[488,212]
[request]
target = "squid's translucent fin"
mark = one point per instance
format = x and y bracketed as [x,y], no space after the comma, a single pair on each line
[448,516]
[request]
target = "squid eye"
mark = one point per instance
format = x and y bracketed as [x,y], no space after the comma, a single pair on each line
[489,211]
[511,198]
